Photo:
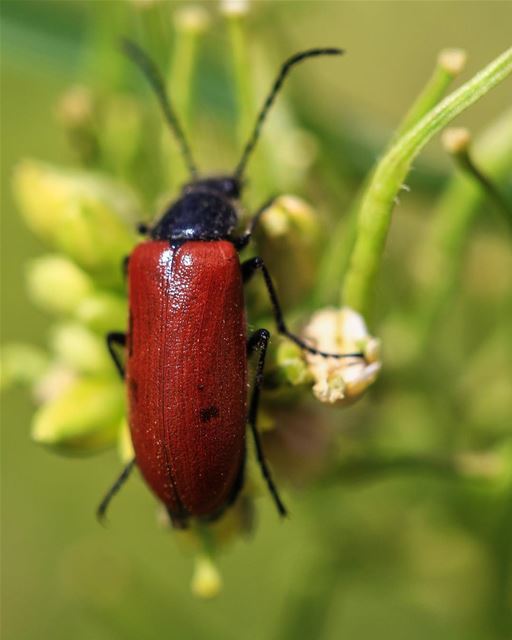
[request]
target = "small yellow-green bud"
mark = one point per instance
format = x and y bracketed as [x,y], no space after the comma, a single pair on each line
[235,8]
[75,107]
[290,214]
[102,312]
[341,380]
[288,238]
[56,379]
[80,349]
[206,581]
[86,216]
[291,363]
[456,140]
[192,18]
[145,4]
[84,418]
[56,284]
[21,364]
[452,60]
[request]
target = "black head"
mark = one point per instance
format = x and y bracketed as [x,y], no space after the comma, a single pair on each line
[228,186]
[205,211]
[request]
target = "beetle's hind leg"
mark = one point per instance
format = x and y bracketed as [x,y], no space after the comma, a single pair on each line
[101,511]
[249,268]
[116,338]
[259,342]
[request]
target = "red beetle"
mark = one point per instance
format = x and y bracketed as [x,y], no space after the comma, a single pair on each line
[186,363]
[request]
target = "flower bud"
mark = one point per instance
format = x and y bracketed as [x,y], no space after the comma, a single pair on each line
[456,140]
[288,240]
[80,349]
[102,312]
[84,215]
[82,419]
[56,284]
[452,61]
[206,581]
[75,108]
[192,18]
[341,380]
[291,363]
[290,214]
[21,364]
[234,8]
[56,379]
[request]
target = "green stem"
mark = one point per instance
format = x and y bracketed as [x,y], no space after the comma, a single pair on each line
[369,467]
[467,164]
[335,263]
[237,26]
[190,23]
[442,255]
[450,63]
[378,202]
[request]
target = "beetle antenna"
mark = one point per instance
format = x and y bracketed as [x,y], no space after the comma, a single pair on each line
[285,69]
[153,76]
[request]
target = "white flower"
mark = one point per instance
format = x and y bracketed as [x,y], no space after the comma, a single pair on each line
[341,380]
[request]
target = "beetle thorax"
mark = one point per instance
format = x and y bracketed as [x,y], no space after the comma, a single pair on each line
[205,211]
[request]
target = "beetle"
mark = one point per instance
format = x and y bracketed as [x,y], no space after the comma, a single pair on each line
[186,363]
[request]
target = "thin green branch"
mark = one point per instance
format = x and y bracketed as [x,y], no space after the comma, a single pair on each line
[450,62]
[378,202]
[457,142]
[441,258]
[237,26]
[373,467]
[190,23]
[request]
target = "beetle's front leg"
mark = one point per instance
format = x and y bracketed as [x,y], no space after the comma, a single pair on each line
[249,268]
[116,338]
[259,342]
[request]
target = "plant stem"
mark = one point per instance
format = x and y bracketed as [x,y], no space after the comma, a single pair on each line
[442,255]
[468,165]
[368,467]
[378,202]
[335,263]
[190,23]
[450,63]
[237,26]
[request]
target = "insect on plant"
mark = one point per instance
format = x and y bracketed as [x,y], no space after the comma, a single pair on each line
[186,364]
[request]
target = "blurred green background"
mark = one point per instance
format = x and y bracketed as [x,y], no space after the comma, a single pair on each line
[411,552]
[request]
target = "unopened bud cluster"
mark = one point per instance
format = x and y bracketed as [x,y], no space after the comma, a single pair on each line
[88,222]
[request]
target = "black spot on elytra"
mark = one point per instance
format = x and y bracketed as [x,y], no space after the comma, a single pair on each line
[134,389]
[207,414]
[200,386]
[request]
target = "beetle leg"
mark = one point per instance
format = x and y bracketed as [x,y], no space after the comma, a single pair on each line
[259,341]
[103,506]
[116,338]
[124,266]
[249,268]
[244,239]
